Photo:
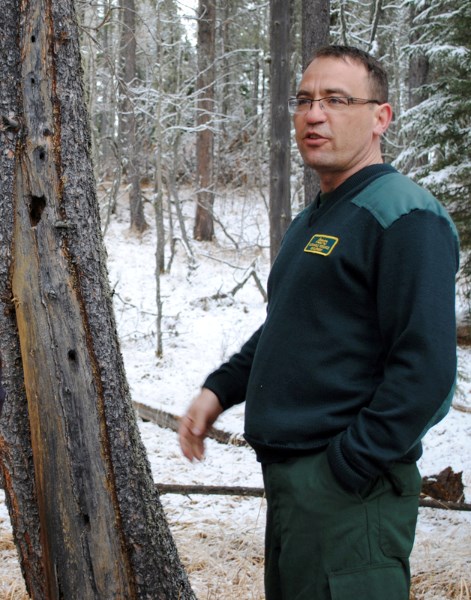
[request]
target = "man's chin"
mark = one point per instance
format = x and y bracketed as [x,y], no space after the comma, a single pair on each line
[318,163]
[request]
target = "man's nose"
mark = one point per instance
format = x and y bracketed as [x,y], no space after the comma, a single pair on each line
[316,112]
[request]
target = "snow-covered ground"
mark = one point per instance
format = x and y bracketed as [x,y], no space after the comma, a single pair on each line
[221,538]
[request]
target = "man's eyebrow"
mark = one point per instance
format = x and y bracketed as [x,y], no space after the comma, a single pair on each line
[327,92]
[302,93]
[338,92]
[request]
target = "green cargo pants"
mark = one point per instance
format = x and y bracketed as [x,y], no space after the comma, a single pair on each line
[325,543]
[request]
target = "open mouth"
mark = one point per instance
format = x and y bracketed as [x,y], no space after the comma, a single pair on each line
[314,137]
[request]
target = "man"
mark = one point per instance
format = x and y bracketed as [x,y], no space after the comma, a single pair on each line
[356,359]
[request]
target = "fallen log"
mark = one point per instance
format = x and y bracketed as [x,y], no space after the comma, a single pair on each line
[211,490]
[168,420]
[165,419]
[446,504]
[257,492]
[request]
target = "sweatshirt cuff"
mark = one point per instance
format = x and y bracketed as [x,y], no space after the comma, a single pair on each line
[345,474]
[211,383]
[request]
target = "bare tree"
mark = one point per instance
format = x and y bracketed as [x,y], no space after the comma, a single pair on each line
[87,521]
[127,116]
[204,225]
[280,131]
[315,34]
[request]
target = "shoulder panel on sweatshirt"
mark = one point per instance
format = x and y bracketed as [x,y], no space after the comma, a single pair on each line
[393,196]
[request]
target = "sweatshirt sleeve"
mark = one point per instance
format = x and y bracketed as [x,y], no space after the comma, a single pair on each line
[417,260]
[229,382]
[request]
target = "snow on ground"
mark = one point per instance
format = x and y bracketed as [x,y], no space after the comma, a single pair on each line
[215,533]
[199,334]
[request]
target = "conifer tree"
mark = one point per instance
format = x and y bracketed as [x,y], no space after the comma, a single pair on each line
[437,129]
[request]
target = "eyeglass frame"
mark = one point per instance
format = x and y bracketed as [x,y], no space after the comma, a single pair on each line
[350,100]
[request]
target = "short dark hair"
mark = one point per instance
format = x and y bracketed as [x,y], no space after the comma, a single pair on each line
[377,75]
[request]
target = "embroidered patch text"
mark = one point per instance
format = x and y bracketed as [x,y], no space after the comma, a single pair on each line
[321,244]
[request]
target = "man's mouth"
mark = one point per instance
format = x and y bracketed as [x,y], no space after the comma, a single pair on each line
[314,139]
[314,136]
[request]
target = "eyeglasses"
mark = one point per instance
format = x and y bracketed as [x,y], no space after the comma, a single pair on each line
[328,104]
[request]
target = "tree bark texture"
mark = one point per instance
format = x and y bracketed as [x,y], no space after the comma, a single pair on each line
[127,118]
[16,461]
[315,34]
[204,225]
[87,521]
[419,66]
[280,128]
[315,27]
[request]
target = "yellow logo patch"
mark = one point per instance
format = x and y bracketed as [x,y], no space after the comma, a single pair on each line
[321,244]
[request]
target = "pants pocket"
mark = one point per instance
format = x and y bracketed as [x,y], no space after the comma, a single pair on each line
[398,511]
[369,583]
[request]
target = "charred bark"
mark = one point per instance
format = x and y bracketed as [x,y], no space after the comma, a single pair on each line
[86,518]
[16,460]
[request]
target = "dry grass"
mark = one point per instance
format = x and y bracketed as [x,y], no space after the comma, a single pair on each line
[441,584]
[224,557]
[223,568]
[12,586]
[222,553]
[445,571]
[452,583]
[441,559]
[225,561]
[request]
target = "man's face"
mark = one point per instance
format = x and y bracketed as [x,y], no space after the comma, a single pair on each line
[338,144]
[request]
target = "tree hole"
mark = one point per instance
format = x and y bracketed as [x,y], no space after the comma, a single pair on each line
[41,152]
[38,204]
[33,38]
[72,354]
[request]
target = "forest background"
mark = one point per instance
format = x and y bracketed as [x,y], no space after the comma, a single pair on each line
[181,100]
[425,48]
[181,94]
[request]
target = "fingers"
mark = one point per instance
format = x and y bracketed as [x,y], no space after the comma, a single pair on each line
[194,425]
[191,439]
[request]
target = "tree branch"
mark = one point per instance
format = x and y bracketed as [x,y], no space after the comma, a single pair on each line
[169,421]
[256,492]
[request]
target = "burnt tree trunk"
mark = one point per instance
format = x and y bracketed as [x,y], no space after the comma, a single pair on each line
[86,519]
[16,462]
[204,223]
[280,131]
[315,34]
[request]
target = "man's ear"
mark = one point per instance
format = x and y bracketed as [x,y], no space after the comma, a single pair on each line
[384,115]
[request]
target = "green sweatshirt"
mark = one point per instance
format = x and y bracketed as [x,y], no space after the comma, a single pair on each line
[358,350]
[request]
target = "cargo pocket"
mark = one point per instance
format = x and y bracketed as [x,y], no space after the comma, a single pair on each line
[369,583]
[398,511]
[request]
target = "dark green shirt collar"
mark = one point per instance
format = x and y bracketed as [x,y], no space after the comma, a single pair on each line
[354,184]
